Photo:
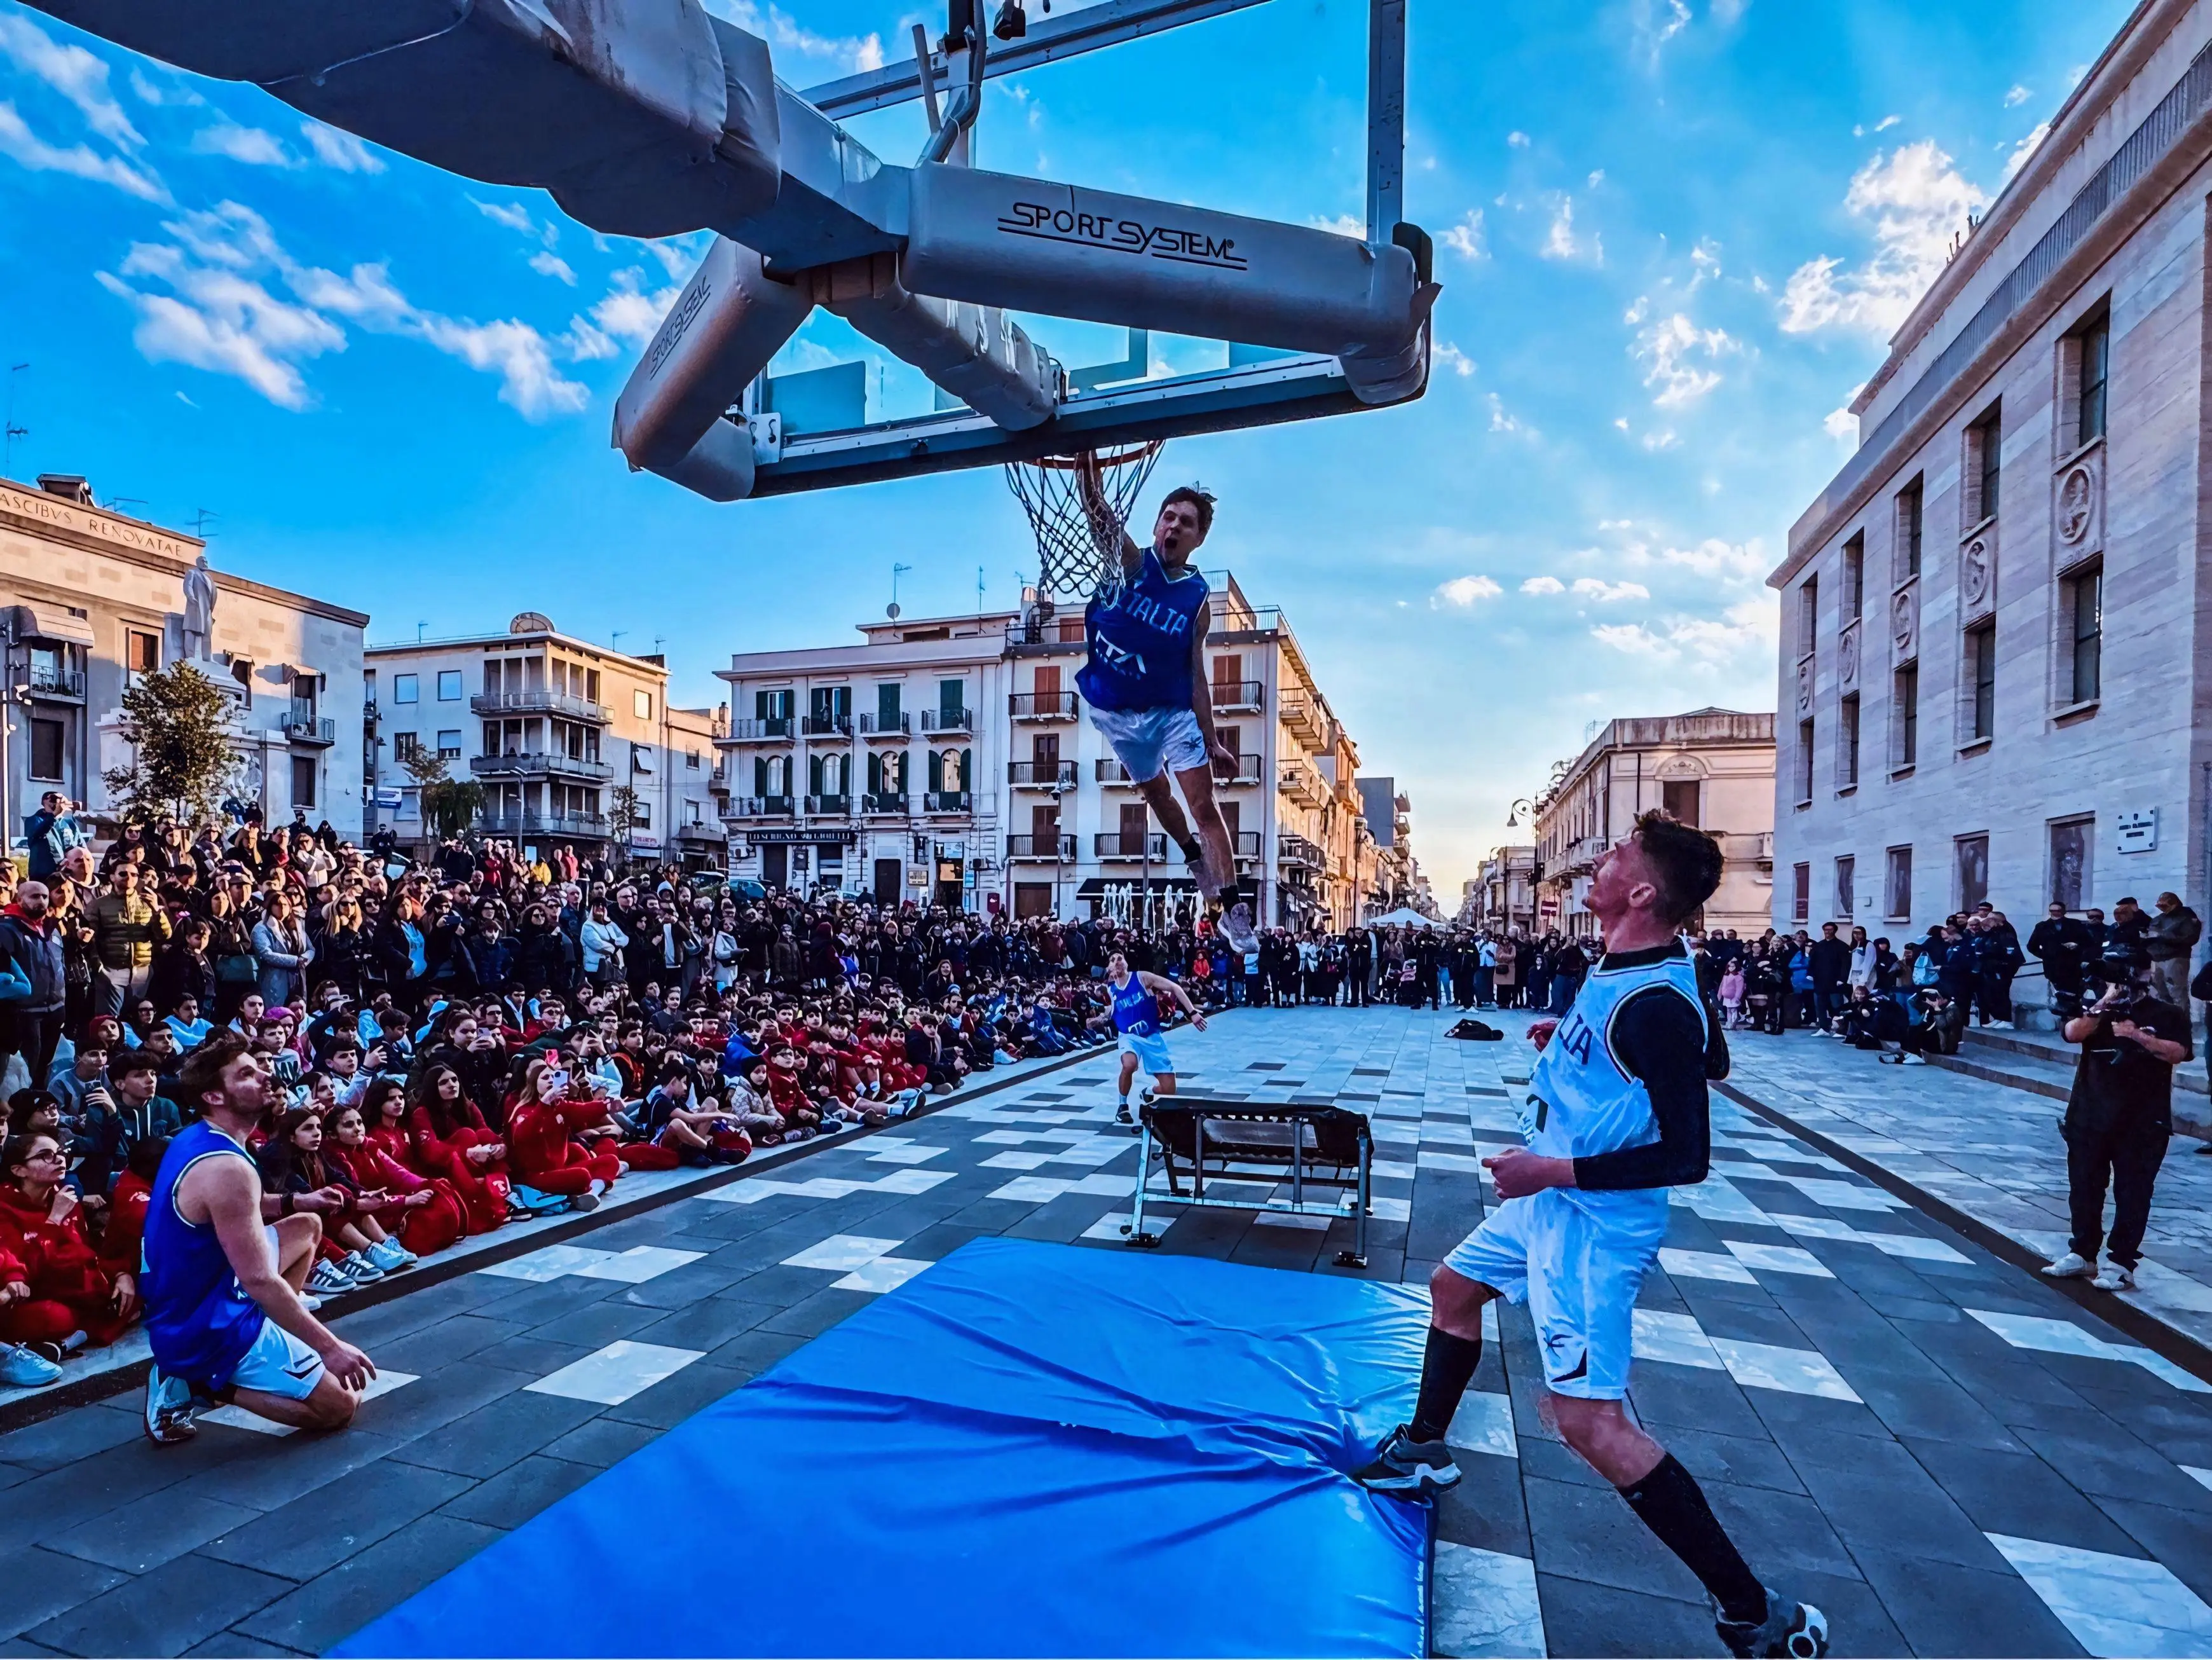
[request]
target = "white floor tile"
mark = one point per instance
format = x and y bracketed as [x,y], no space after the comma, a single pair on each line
[2198,1474]
[615,1373]
[1704,1265]
[1794,1372]
[553,1263]
[636,1266]
[1311,1221]
[1032,1190]
[2030,1331]
[1466,1163]
[1485,1604]
[2114,1605]
[842,1251]
[238,1418]
[1913,1246]
[1484,1423]
[909,1181]
[1392,1169]
[1015,1161]
[905,1152]
[1716,1201]
[1108,1227]
[1778,1259]
[1675,1339]
[1843,1196]
[883,1274]
[1405,1135]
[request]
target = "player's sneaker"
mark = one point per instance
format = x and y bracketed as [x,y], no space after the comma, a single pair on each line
[2069,1267]
[2113,1277]
[327,1279]
[1791,1631]
[20,1369]
[1236,929]
[169,1408]
[1122,1116]
[1408,1468]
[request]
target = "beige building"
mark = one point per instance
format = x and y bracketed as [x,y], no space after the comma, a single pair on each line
[1395,878]
[1504,894]
[1997,663]
[1712,767]
[95,597]
[572,742]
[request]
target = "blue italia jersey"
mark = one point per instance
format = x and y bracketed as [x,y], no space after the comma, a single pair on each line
[1582,1101]
[1140,633]
[199,1321]
[1136,1011]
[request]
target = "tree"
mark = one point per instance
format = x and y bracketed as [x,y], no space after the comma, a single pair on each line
[182,759]
[450,804]
[622,817]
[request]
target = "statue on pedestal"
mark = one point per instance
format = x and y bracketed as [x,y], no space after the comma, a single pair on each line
[199,612]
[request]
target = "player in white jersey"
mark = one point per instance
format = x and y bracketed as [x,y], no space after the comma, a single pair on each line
[1617,1113]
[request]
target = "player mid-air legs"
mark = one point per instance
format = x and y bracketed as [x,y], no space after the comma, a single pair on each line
[1617,1113]
[1136,1017]
[1147,686]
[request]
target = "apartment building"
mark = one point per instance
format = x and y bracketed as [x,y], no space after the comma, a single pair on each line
[1996,664]
[1397,879]
[1712,767]
[1504,894]
[95,597]
[572,742]
[950,758]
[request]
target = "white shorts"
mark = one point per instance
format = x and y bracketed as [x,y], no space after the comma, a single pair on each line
[1579,1275]
[279,1364]
[1151,1053]
[1149,742]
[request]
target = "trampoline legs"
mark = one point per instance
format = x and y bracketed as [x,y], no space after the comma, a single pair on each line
[1138,1235]
[1357,1256]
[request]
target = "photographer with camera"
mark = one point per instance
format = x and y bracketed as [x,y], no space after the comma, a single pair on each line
[2118,1121]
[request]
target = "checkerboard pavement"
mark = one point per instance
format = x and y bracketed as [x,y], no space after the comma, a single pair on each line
[1948,1456]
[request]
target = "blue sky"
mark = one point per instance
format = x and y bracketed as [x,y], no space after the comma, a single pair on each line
[1674,235]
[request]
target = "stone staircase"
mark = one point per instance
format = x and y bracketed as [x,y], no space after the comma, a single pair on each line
[2042,1063]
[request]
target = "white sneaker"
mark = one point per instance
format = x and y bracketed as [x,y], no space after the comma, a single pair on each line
[364,1271]
[1999,1026]
[388,1255]
[327,1279]
[2069,1266]
[2113,1277]
[1237,929]
[1913,1061]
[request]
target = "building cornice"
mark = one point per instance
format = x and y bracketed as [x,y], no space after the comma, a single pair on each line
[396,649]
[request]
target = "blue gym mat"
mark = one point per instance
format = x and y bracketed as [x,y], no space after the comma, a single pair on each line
[1027,1450]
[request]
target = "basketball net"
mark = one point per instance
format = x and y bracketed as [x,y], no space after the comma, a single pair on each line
[1078,530]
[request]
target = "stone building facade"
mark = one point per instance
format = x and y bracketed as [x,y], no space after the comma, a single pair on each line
[1997,666]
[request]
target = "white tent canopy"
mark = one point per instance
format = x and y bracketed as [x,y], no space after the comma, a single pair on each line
[1404,917]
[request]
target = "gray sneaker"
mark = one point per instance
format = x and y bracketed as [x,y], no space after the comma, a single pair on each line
[1408,1468]
[1791,1631]
[1236,929]
[170,1406]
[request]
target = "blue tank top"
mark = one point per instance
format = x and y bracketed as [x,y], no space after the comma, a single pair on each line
[199,1321]
[1138,633]
[1135,1009]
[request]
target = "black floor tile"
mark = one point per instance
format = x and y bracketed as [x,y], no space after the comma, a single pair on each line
[265,1471]
[597,1325]
[65,1438]
[1590,1533]
[1583,1618]
[1485,1509]
[235,1645]
[37,1585]
[674,1399]
[2182,1539]
[336,1604]
[812,1315]
[519,1491]
[313,1534]
[2102,1459]
[493,1436]
[707,1324]
[1934,1408]
[2017,1493]
[1742,1459]
[531,1356]
[1884,1501]
[441,1397]
[601,1443]
[165,1612]
[432,1348]
[1693,1397]
[755,1350]
[1943,1608]
[141,1536]
[1784,1535]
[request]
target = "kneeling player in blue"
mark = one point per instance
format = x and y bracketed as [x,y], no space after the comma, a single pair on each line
[1136,1017]
[1617,1113]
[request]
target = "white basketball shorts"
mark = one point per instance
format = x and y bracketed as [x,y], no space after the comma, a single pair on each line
[1149,742]
[1151,1053]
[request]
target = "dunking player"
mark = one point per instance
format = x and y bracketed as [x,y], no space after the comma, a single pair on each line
[1147,689]
[1616,1114]
[1136,1017]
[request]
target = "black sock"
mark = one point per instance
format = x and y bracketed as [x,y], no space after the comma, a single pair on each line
[1193,852]
[1670,1503]
[1447,1368]
[1228,896]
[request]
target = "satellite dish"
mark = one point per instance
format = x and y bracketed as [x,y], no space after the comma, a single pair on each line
[530,622]
[891,610]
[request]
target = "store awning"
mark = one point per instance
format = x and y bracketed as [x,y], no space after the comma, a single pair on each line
[1097,886]
[25,621]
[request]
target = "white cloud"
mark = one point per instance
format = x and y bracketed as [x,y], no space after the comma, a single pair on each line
[149,92]
[1562,241]
[1518,141]
[1499,420]
[251,145]
[1466,239]
[2017,97]
[2027,148]
[69,70]
[628,312]
[1916,201]
[340,151]
[1447,355]
[1705,264]
[1596,177]
[677,258]
[1728,561]
[513,215]
[1343,224]
[1662,439]
[1678,357]
[219,314]
[1543,585]
[1590,587]
[1463,592]
[1655,22]
[1743,630]
[1728,13]
[548,263]
[28,149]
[1842,425]
[854,52]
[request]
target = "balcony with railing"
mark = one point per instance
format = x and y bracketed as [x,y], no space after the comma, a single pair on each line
[56,683]
[702,835]
[539,700]
[878,803]
[541,763]
[947,801]
[1248,845]
[1039,637]
[941,720]
[1580,855]
[1061,847]
[1298,850]
[303,727]
[886,726]
[1302,784]
[1114,844]
[763,729]
[1041,705]
[758,806]
[825,726]
[1039,775]
[1247,772]
[829,806]
[1237,696]
[495,821]
[1302,714]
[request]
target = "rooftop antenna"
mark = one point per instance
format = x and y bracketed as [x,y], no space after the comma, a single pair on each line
[979,590]
[614,640]
[200,517]
[419,628]
[891,610]
[14,432]
[115,501]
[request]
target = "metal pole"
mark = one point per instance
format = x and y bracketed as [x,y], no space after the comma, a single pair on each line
[1386,117]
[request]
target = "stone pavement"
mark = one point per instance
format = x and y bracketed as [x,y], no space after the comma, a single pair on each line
[1949,1456]
[1991,1151]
